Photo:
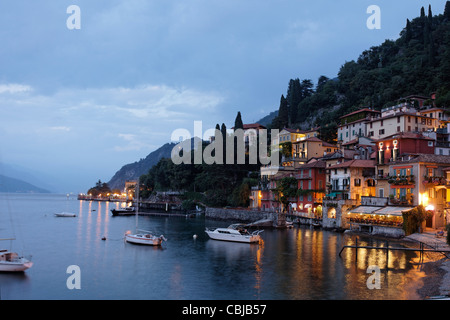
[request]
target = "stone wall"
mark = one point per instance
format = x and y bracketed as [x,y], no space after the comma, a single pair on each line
[334,213]
[237,215]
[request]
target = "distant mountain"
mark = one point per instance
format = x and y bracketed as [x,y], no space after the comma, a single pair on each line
[134,170]
[8,184]
[268,119]
[32,176]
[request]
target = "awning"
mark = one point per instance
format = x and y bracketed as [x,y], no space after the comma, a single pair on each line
[332,195]
[365,209]
[393,211]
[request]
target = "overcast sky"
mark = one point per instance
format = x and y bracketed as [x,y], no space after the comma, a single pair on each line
[78,104]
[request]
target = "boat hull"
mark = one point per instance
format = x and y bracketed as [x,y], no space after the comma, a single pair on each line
[233,237]
[19,266]
[65,214]
[115,212]
[143,239]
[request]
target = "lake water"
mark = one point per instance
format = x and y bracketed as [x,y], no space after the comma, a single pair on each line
[293,264]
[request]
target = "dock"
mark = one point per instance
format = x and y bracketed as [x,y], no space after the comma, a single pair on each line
[423,248]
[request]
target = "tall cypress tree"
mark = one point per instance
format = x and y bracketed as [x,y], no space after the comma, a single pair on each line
[293,97]
[447,11]
[426,28]
[238,124]
[282,121]
[408,34]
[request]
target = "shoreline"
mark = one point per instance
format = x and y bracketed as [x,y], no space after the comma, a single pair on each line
[436,282]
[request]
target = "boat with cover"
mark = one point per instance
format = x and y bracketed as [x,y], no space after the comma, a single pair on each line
[234,233]
[65,214]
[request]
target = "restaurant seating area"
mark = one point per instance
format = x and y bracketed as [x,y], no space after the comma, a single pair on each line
[393,221]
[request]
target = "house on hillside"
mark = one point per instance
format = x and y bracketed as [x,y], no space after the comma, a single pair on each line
[352,180]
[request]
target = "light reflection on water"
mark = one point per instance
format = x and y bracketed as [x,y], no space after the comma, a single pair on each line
[299,263]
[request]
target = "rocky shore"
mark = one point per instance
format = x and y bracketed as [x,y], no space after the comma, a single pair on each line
[436,282]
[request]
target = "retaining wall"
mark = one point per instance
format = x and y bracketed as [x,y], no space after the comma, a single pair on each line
[237,215]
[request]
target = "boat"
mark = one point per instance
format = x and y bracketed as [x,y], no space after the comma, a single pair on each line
[145,238]
[65,214]
[234,233]
[128,211]
[142,236]
[12,262]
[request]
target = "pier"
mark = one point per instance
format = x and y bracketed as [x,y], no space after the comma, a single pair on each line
[445,250]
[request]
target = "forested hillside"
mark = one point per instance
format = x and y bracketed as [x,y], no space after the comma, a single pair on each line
[417,63]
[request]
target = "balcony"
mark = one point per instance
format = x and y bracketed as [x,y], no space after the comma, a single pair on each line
[443,144]
[340,188]
[401,180]
[433,181]
[401,201]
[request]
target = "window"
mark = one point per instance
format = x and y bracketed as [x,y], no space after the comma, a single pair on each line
[430,143]
[381,123]
[398,119]
[398,129]
[381,193]
[357,182]
[381,132]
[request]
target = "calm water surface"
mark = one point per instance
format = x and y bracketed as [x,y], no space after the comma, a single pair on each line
[299,263]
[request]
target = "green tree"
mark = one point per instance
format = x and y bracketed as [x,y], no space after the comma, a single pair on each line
[286,189]
[408,32]
[447,11]
[293,97]
[238,124]
[282,120]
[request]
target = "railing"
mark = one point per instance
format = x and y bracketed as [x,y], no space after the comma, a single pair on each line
[401,180]
[340,188]
[434,181]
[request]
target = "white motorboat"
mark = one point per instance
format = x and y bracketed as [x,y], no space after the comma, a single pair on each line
[11,262]
[65,214]
[144,238]
[235,233]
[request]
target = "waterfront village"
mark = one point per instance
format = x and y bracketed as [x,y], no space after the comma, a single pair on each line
[384,165]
